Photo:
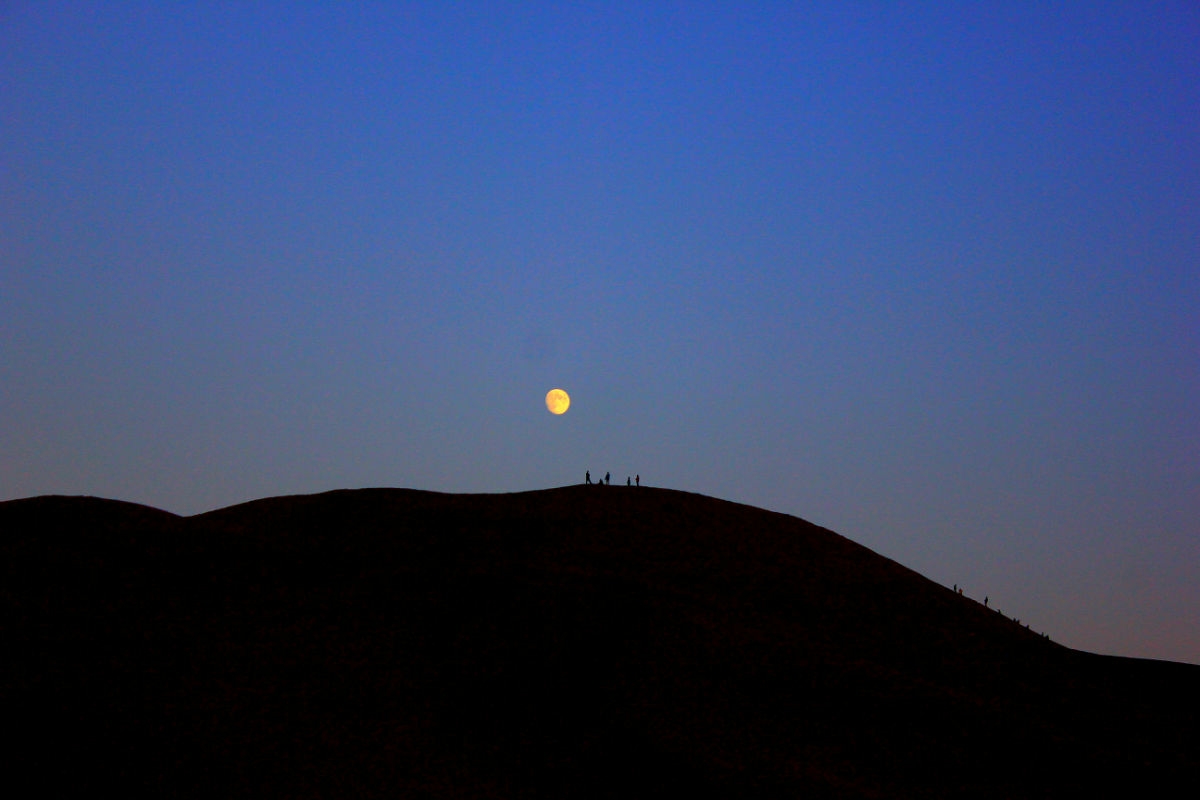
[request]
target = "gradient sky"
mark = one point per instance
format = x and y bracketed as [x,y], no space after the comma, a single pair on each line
[929,276]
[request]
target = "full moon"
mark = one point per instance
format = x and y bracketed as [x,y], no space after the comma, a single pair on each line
[557,401]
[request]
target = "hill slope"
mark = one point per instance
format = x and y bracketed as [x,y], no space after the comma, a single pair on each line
[583,641]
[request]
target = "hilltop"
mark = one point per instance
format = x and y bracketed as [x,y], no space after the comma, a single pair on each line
[581,641]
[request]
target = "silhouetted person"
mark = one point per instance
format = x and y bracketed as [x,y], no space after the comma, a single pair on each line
[606,479]
[587,477]
[985,601]
[628,481]
[638,479]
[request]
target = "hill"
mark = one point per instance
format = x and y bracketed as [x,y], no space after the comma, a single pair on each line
[582,641]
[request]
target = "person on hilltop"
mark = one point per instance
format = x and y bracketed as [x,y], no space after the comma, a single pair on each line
[587,477]
[606,480]
[638,480]
[628,481]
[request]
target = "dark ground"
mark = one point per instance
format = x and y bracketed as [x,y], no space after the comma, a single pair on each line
[576,642]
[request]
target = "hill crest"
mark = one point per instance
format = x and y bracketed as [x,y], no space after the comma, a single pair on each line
[589,640]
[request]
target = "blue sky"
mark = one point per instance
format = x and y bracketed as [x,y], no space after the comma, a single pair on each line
[927,276]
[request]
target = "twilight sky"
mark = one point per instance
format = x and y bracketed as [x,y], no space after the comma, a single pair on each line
[928,277]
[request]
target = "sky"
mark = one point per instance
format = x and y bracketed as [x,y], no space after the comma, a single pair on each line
[928,276]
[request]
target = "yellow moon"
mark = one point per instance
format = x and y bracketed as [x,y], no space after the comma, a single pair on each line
[557,401]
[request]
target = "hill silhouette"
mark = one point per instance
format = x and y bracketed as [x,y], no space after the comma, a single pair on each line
[573,642]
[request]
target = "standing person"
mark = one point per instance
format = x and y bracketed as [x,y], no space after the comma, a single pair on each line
[628,481]
[587,477]
[639,480]
[606,481]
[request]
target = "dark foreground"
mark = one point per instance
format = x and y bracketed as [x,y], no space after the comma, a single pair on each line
[576,642]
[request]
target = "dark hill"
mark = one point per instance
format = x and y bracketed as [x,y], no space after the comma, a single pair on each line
[575,642]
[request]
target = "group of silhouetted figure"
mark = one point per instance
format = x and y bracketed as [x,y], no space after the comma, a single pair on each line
[636,480]
[959,590]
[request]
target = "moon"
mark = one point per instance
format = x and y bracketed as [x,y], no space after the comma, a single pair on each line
[558,401]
